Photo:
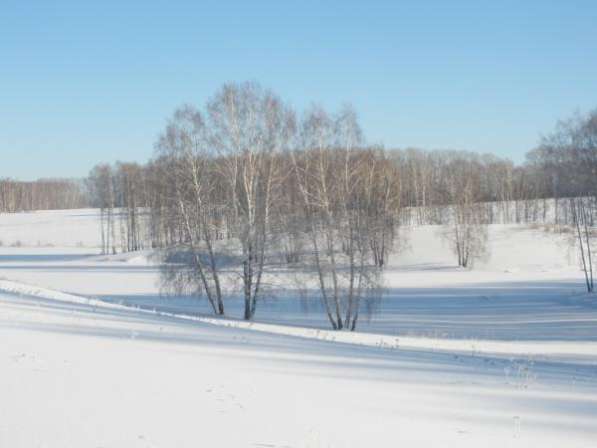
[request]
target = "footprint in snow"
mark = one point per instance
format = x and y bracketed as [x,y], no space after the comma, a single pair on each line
[227,401]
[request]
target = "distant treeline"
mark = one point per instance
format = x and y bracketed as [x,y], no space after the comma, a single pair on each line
[420,185]
[43,194]
[563,165]
[565,162]
[423,183]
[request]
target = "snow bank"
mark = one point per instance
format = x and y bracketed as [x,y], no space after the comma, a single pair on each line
[561,351]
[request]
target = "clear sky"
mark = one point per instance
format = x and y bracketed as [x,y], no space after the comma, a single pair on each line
[83,82]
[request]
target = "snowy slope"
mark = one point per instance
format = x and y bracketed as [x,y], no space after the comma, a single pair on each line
[62,228]
[501,355]
[567,351]
[76,375]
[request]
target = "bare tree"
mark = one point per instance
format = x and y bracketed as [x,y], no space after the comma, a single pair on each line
[582,213]
[332,179]
[184,148]
[466,230]
[249,127]
[130,180]
[101,185]
[382,187]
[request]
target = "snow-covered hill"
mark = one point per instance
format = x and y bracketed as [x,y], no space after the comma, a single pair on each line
[504,354]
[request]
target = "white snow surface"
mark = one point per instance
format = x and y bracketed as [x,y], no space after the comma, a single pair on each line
[92,355]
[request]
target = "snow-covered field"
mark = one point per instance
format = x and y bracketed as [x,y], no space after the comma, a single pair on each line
[502,355]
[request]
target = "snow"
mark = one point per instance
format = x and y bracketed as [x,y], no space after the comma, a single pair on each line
[61,228]
[578,351]
[97,376]
[92,355]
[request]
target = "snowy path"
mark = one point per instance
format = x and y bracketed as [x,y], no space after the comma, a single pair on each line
[80,375]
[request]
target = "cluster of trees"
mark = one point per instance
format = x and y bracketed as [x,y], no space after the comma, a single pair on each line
[244,181]
[510,193]
[347,197]
[566,161]
[120,193]
[43,194]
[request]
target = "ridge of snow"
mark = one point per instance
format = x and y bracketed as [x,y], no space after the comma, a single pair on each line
[563,351]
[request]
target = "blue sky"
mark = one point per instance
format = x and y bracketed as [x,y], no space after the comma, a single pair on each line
[83,82]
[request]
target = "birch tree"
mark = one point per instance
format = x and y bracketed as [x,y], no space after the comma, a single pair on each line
[184,148]
[466,230]
[249,127]
[331,178]
[102,190]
